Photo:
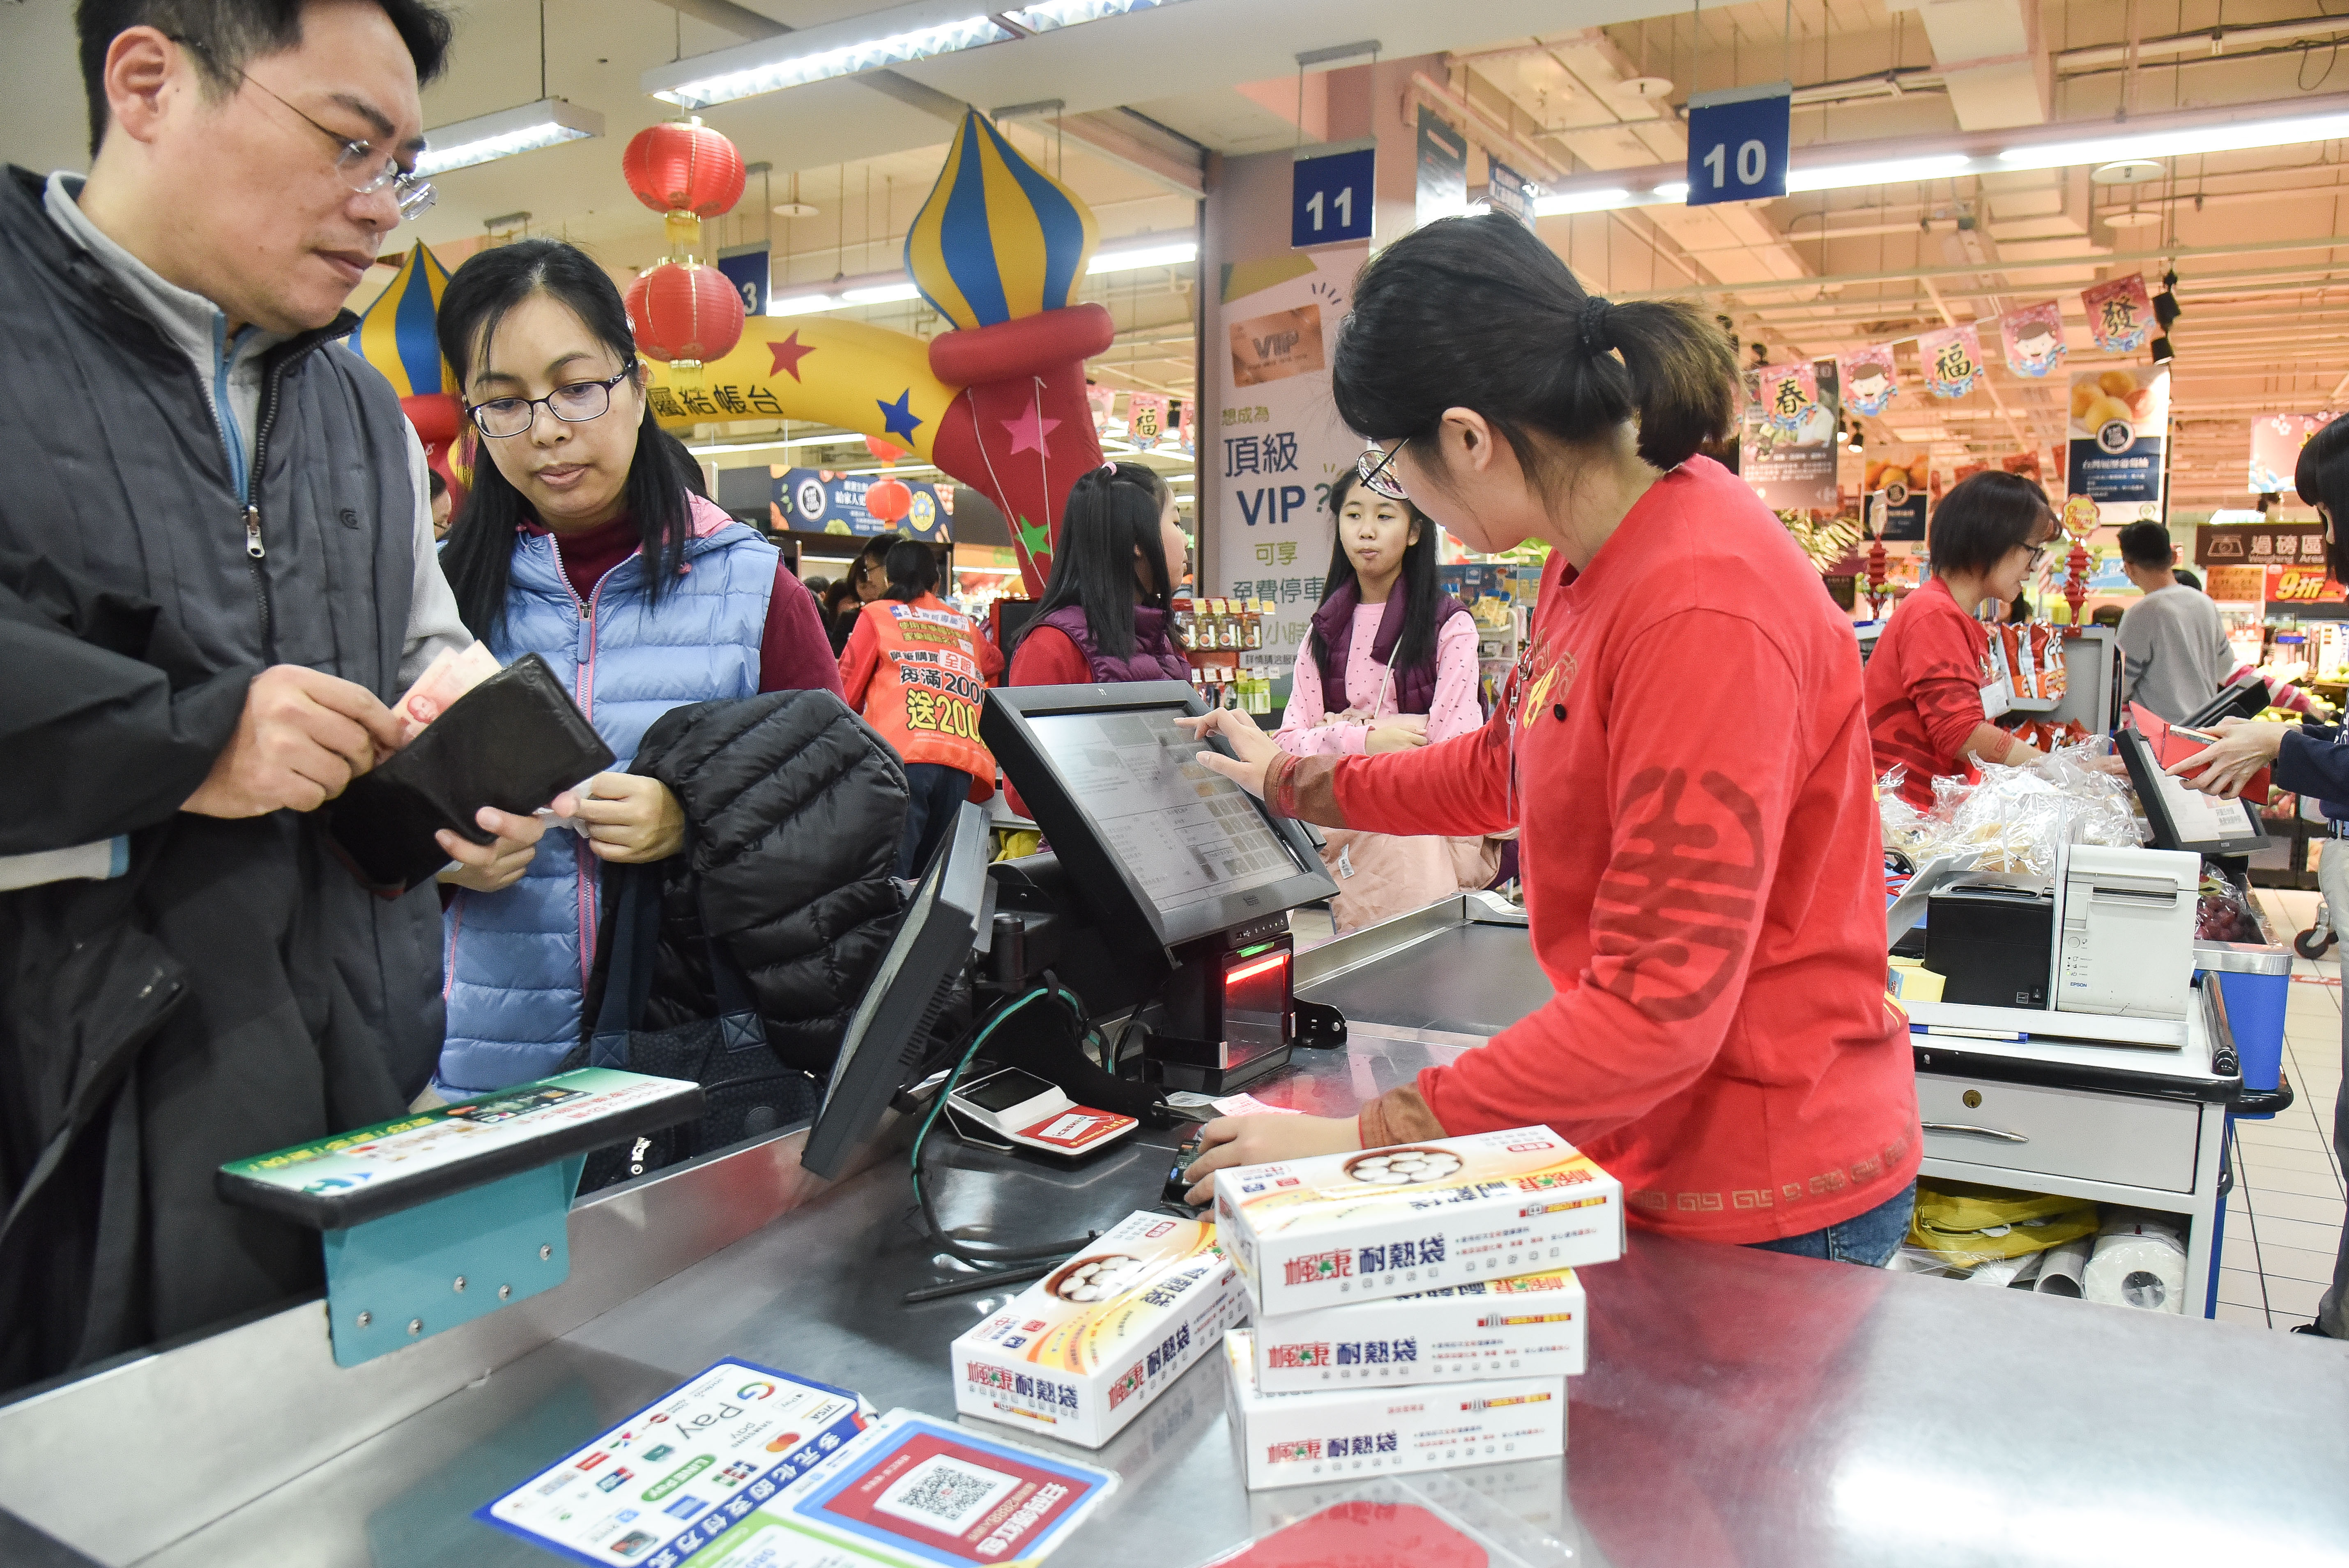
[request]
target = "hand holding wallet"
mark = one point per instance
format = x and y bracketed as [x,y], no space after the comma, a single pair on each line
[514,742]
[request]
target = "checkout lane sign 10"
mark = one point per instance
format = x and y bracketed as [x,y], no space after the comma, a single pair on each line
[1737,143]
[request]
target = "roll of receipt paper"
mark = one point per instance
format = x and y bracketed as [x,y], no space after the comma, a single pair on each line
[2139,1261]
[2060,1268]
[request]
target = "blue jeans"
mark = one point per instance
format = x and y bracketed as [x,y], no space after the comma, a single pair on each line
[933,793]
[1867,1239]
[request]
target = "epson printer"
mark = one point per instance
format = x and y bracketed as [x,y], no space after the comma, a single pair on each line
[2111,933]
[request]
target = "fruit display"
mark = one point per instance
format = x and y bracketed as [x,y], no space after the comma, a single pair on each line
[1883,473]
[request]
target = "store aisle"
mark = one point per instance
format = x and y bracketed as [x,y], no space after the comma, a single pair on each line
[2285,1215]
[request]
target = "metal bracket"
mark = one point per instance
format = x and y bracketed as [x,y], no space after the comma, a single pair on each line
[393,1280]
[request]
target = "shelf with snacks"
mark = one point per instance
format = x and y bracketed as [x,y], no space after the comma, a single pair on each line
[1224,640]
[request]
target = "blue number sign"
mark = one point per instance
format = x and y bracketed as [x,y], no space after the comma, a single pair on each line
[1737,143]
[1330,199]
[746,268]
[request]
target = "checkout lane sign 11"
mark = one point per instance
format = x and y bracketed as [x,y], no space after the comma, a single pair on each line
[1737,143]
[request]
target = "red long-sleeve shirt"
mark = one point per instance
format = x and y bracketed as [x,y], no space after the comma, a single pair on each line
[1703,877]
[1924,691]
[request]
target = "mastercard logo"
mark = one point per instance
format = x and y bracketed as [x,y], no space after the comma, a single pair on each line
[788,1441]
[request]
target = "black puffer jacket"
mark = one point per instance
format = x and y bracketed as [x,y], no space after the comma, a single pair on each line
[796,807]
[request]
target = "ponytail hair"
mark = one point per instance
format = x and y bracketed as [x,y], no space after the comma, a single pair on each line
[1477,313]
[913,571]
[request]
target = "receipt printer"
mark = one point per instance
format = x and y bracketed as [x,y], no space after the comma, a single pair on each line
[1990,941]
[2128,931]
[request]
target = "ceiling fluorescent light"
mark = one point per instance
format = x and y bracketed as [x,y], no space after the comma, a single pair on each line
[1892,172]
[1673,190]
[879,294]
[2177,143]
[817,53]
[799,303]
[1052,13]
[502,135]
[1166,255]
[1580,201]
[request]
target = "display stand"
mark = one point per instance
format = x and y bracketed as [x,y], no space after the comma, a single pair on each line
[435,1218]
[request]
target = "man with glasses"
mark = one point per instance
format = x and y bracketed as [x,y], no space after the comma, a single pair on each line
[216,570]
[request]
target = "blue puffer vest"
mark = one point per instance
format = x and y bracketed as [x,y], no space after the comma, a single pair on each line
[518,960]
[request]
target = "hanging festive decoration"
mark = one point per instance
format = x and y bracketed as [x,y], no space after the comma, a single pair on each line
[1788,392]
[2034,338]
[686,313]
[1952,360]
[1145,420]
[1870,379]
[998,238]
[2119,314]
[398,335]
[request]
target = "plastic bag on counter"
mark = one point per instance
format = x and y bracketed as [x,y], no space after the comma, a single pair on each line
[2224,914]
[1963,1226]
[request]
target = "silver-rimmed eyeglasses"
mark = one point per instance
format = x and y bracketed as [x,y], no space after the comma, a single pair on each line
[362,168]
[574,404]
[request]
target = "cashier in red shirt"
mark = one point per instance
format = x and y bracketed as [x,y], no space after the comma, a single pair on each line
[1928,683]
[1702,876]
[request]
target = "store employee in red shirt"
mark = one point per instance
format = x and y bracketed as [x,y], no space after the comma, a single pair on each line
[1929,679]
[1703,880]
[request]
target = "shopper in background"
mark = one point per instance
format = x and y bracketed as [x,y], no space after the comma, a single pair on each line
[840,607]
[2281,693]
[587,541]
[1706,889]
[916,668]
[1927,681]
[818,587]
[1398,656]
[186,977]
[444,507]
[867,580]
[2309,759]
[2174,649]
[1107,614]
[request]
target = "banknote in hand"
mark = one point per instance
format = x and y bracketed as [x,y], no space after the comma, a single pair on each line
[448,677]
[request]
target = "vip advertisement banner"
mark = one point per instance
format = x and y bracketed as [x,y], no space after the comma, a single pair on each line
[817,501]
[1787,450]
[1274,442]
[2118,435]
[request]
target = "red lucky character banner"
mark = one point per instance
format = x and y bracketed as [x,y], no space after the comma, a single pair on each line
[2119,314]
[2276,440]
[1145,420]
[1952,358]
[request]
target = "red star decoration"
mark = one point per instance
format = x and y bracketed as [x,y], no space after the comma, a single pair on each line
[1029,430]
[788,355]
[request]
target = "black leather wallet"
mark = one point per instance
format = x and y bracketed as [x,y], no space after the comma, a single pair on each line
[514,742]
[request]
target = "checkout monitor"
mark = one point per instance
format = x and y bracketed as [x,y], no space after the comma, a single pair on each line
[2183,819]
[1164,849]
[888,1040]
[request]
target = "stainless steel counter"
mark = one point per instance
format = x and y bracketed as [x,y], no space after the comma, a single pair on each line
[1742,1407]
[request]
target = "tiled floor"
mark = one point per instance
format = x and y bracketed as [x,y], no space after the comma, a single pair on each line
[2285,1216]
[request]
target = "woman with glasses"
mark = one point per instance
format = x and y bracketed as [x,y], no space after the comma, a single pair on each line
[1931,690]
[586,540]
[1683,747]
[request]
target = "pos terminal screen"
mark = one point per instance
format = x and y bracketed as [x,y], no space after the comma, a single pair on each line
[1186,834]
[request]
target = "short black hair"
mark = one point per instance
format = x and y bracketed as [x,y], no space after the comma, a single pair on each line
[2188,578]
[2147,544]
[2321,480]
[233,33]
[440,485]
[1985,516]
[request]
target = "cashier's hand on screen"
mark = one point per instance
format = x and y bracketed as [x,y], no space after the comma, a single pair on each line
[2242,748]
[303,736]
[1255,748]
[1256,1139]
[488,868]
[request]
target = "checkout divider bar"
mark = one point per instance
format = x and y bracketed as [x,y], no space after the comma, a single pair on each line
[211,1424]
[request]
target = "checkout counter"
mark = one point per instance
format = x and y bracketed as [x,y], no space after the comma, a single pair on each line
[1741,1406]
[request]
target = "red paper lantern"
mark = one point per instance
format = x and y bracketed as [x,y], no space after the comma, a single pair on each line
[889,499]
[683,166]
[685,313]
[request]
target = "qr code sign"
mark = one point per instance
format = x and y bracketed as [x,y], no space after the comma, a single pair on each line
[946,1494]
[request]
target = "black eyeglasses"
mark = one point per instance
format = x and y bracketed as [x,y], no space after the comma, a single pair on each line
[1372,466]
[363,169]
[576,404]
